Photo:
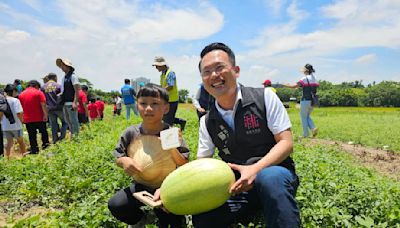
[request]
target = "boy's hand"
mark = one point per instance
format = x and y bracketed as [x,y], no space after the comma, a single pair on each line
[180,136]
[130,166]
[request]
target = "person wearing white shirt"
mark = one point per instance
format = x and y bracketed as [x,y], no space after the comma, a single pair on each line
[11,131]
[252,131]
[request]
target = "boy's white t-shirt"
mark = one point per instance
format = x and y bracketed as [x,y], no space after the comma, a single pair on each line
[16,107]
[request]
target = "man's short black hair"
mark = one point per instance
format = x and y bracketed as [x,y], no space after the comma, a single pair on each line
[153,90]
[84,87]
[127,81]
[52,76]
[218,46]
[9,89]
[34,83]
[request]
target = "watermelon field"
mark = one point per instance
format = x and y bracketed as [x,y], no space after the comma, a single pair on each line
[69,184]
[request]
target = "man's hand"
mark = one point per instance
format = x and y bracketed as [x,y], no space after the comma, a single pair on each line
[75,105]
[130,166]
[201,110]
[248,174]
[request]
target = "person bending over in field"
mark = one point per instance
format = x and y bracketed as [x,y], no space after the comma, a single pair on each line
[152,104]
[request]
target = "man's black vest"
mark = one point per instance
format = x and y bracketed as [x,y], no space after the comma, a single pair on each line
[69,90]
[252,138]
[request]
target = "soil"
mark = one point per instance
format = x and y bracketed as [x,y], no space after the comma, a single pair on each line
[385,162]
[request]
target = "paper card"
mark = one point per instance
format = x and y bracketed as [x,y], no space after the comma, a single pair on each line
[170,138]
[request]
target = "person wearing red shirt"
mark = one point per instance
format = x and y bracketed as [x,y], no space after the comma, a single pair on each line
[82,106]
[33,103]
[100,105]
[93,110]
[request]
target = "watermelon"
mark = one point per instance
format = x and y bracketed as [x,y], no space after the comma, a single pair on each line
[196,187]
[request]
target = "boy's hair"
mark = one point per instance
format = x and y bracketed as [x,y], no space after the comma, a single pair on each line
[153,90]
[127,81]
[92,100]
[9,89]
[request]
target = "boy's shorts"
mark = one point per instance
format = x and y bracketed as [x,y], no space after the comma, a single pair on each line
[13,134]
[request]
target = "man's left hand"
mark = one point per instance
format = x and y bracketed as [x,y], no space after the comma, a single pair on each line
[248,174]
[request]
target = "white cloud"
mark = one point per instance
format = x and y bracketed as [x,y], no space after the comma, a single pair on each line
[107,41]
[366,58]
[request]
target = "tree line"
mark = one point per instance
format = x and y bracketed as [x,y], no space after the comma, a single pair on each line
[355,94]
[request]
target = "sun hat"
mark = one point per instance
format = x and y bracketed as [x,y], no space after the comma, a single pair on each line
[159,61]
[157,163]
[66,62]
[267,82]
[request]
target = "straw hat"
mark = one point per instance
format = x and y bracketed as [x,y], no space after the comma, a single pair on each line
[66,62]
[159,61]
[156,163]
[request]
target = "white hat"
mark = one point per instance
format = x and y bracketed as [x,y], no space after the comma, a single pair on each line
[66,62]
[159,61]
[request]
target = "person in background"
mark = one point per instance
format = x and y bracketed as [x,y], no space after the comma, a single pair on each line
[70,94]
[93,109]
[168,81]
[100,105]
[17,84]
[33,103]
[52,91]
[117,105]
[129,96]
[3,108]
[5,112]
[252,131]
[202,101]
[309,84]
[83,114]
[11,131]
[267,84]
[152,105]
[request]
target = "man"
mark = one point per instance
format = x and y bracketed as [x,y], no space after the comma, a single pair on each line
[267,84]
[202,101]
[70,95]
[168,81]
[3,108]
[33,103]
[5,112]
[252,132]
[83,114]
[52,91]
[100,104]
[129,96]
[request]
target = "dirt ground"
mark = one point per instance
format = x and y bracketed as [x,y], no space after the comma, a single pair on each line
[384,161]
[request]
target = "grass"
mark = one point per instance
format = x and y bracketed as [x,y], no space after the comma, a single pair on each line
[74,179]
[372,127]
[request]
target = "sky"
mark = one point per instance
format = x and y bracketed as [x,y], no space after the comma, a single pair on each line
[110,40]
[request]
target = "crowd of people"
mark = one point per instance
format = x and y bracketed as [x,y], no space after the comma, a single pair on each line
[63,106]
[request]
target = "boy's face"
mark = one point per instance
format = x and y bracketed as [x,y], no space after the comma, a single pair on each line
[152,109]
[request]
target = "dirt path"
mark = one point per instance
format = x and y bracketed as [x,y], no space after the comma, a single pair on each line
[384,161]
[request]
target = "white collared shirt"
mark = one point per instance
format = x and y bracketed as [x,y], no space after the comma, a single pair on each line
[276,115]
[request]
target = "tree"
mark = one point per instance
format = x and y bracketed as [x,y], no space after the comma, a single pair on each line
[183,95]
[85,82]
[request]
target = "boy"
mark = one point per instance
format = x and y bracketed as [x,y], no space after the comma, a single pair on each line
[93,110]
[11,131]
[100,105]
[152,104]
